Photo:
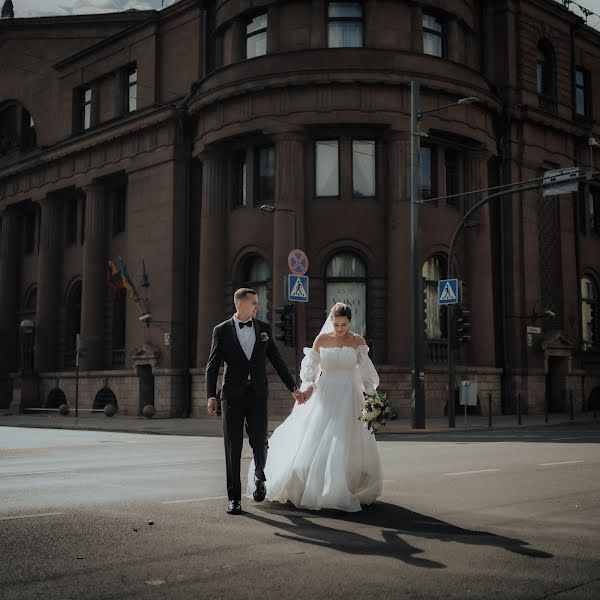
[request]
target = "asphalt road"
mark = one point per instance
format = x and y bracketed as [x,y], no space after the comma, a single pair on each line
[474,515]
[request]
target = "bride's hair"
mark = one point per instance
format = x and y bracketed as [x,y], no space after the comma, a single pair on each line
[340,310]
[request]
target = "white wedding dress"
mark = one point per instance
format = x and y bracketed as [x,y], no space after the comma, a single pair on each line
[322,456]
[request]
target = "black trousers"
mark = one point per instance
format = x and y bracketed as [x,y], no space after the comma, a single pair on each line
[251,411]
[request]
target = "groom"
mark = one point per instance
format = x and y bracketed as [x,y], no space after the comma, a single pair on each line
[244,343]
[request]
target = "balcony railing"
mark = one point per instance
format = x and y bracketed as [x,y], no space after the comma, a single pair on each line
[437,351]
[118,359]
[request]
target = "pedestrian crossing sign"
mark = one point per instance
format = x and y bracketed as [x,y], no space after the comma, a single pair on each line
[448,291]
[297,288]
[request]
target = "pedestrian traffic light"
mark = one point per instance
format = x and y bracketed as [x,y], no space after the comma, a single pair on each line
[463,325]
[286,325]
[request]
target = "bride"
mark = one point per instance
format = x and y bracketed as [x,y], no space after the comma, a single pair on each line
[322,456]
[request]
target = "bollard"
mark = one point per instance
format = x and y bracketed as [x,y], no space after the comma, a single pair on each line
[519,408]
[571,407]
[490,410]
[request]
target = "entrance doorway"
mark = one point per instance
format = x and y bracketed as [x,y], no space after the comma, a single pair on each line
[146,387]
[556,379]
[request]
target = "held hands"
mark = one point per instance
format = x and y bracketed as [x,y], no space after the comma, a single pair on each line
[303,397]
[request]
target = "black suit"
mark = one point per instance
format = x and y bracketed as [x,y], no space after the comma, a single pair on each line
[243,399]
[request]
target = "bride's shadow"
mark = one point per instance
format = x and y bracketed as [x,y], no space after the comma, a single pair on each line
[392,522]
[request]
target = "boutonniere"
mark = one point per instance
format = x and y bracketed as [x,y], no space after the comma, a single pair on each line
[264,337]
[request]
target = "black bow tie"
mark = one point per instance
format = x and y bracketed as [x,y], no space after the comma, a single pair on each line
[246,324]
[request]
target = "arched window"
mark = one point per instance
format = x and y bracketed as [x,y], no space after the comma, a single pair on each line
[435,315]
[346,281]
[590,304]
[256,275]
[56,397]
[103,397]
[118,328]
[545,76]
[73,323]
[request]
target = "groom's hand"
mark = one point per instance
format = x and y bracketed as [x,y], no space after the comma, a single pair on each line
[211,407]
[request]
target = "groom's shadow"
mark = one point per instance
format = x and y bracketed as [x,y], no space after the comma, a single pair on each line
[391,522]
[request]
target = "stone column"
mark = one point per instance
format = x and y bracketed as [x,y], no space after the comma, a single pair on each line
[478,264]
[213,250]
[398,229]
[49,284]
[289,194]
[93,287]
[9,290]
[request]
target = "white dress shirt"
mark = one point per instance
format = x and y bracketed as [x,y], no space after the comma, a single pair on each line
[247,337]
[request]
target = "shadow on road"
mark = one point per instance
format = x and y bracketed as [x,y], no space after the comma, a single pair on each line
[391,523]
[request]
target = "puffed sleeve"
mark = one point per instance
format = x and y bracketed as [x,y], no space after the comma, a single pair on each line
[368,375]
[309,369]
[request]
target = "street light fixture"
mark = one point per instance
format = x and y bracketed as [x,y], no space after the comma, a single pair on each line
[416,321]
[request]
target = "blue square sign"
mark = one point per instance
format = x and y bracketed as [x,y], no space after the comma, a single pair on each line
[297,288]
[448,291]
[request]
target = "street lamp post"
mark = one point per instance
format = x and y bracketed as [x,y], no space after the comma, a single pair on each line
[273,209]
[416,316]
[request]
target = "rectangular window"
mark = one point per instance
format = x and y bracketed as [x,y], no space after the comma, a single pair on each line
[29,233]
[363,168]
[428,173]
[71,225]
[119,209]
[240,180]
[345,25]
[85,108]
[256,36]
[594,210]
[265,180]
[582,93]
[434,36]
[82,224]
[132,89]
[327,161]
[452,176]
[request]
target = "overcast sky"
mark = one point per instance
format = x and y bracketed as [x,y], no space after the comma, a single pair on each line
[31,8]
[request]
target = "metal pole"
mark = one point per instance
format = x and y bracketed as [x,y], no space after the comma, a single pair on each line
[490,410]
[296,306]
[418,396]
[519,408]
[571,407]
[77,381]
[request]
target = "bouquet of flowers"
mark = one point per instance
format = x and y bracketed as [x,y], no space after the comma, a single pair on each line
[376,411]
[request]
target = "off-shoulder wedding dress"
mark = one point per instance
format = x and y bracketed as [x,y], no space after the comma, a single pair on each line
[322,456]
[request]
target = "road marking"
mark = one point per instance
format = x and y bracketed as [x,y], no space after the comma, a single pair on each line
[471,472]
[194,500]
[31,516]
[566,462]
[49,471]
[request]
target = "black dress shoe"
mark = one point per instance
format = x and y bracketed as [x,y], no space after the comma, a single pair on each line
[234,507]
[260,492]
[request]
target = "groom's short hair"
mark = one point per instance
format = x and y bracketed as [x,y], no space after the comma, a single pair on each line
[243,293]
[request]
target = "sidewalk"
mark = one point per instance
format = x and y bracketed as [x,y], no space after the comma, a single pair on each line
[212,427]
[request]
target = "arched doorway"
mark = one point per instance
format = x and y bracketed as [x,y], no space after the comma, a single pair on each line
[103,397]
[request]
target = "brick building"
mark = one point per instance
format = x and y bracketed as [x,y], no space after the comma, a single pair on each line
[159,134]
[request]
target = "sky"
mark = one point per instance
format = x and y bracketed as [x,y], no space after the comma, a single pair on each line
[33,8]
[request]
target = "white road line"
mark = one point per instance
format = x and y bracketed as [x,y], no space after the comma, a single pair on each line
[194,500]
[31,516]
[471,472]
[566,462]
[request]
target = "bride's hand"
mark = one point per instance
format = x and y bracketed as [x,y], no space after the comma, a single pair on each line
[308,393]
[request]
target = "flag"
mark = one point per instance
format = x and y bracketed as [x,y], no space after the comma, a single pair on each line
[145,281]
[113,276]
[127,283]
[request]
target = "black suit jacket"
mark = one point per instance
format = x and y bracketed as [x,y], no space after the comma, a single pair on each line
[226,348]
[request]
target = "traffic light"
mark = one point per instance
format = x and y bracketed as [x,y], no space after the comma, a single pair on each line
[286,325]
[462,325]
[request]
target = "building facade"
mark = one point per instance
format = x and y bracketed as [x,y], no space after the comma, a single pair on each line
[157,137]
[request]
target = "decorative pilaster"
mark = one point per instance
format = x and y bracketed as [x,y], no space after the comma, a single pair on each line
[478,261]
[289,194]
[93,289]
[49,288]
[211,280]
[10,241]
[398,300]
